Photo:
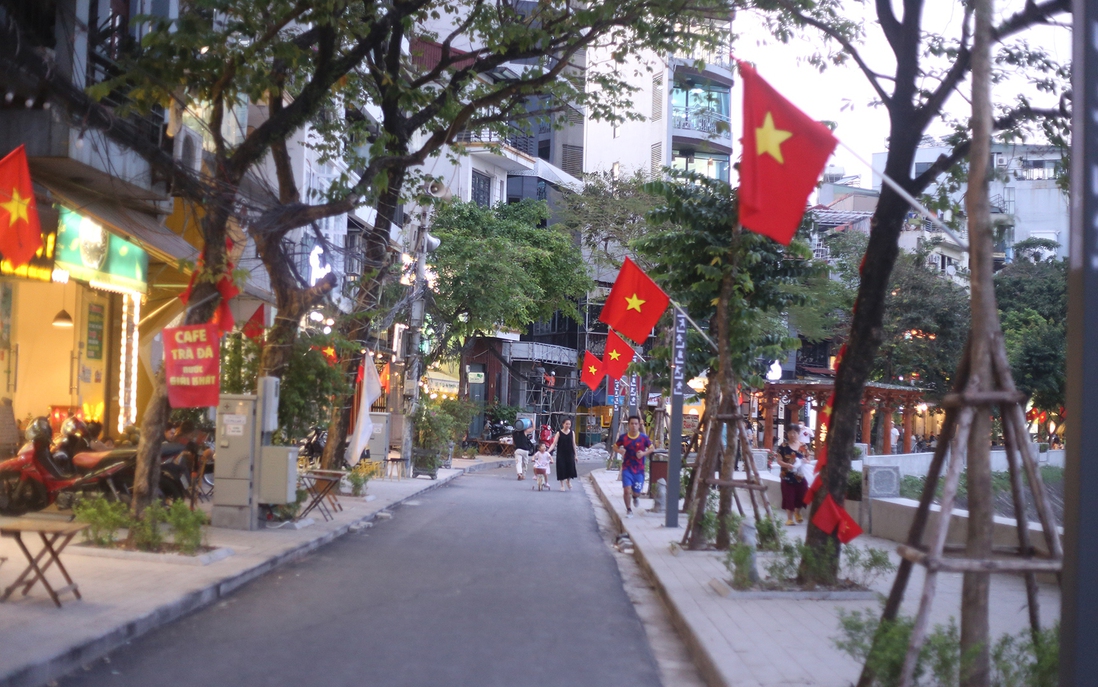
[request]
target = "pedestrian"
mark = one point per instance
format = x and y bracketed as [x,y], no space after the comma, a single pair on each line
[894,434]
[565,443]
[542,461]
[633,446]
[523,439]
[791,455]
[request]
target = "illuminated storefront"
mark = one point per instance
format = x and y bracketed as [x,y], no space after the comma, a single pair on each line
[68,343]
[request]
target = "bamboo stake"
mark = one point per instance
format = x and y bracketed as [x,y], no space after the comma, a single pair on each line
[1024,548]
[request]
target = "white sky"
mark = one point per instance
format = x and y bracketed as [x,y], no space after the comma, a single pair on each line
[843,95]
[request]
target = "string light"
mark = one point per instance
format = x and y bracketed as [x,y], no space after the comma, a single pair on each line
[122,368]
[135,356]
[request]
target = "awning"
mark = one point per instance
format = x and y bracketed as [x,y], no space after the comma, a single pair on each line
[440,381]
[550,173]
[142,228]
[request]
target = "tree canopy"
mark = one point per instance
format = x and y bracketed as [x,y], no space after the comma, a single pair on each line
[500,267]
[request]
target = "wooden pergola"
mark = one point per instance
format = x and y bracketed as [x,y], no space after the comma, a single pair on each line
[886,398]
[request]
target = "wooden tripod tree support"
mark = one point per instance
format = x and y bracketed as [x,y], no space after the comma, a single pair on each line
[983,382]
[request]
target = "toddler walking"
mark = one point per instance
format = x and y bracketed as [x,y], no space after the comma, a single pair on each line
[542,460]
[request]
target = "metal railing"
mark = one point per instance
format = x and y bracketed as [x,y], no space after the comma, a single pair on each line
[702,120]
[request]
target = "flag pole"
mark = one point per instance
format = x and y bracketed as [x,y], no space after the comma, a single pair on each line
[900,191]
[689,319]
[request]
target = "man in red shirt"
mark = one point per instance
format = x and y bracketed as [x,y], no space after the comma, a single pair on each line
[633,446]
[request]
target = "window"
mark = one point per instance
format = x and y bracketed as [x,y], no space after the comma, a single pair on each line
[921,167]
[544,148]
[572,160]
[1039,169]
[482,189]
[712,165]
[702,107]
[657,98]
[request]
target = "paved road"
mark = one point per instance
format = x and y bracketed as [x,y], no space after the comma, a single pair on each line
[482,583]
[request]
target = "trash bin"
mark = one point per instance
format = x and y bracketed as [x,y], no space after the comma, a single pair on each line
[657,470]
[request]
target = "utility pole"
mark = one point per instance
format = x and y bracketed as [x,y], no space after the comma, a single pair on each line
[1078,641]
[424,243]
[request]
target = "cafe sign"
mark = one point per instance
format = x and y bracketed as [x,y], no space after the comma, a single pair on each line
[88,252]
[192,365]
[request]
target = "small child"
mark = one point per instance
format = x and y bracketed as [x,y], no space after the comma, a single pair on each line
[542,459]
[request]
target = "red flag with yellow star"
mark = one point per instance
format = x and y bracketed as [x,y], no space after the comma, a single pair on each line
[592,371]
[617,356]
[635,303]
[20,232]
[784,153]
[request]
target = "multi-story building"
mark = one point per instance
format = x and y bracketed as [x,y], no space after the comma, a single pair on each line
[687,123]
[1026,196]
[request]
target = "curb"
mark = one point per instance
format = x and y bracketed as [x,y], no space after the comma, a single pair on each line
[81,654]
[704,661]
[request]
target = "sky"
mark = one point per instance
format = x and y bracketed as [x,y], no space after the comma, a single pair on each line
[843,94]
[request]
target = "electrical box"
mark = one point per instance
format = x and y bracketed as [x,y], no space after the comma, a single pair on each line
[278,475]
[269,388]
[234,505]
[379,438]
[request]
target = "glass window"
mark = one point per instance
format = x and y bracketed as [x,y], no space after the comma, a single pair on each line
[482,189]
[712,165]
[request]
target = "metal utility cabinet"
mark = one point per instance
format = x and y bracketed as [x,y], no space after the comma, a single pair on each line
[234,505]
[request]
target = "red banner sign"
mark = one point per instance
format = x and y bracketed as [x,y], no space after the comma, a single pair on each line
[192,364]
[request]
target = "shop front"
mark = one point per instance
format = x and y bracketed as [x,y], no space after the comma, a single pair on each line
[68,324]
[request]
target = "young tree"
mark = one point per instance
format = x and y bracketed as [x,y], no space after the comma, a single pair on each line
[534,271]
[741,284]
[308,64]
[913,83]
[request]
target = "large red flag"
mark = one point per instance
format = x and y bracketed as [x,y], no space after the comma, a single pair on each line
[617,356]
[253,328]
[784,152]
[20,232]
[592,371]
[635,303]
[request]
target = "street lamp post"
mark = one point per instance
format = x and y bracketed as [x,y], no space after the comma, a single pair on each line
[425,243]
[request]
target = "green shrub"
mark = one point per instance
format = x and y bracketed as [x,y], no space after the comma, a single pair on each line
[1016,660]
[770,534]
[854,486]
[284,512]
[186,526]
[104,519]
[786,567]
[358,477]
[738,562]
[146,532]
[865,565]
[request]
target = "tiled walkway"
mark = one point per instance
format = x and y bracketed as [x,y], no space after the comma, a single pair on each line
[771,642]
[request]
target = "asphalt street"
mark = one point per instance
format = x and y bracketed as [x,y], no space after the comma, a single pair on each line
[482,582]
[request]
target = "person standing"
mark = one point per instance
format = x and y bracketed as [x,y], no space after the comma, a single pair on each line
[524,445]
[565,443]
[791,455]
[633,446]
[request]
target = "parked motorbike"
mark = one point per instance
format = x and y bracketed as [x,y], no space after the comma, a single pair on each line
[44,472]
[495,430]
[311,448]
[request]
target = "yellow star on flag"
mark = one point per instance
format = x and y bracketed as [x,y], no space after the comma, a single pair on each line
[634,303]
[592,370]
[614,355]
[16,207]
[769,139]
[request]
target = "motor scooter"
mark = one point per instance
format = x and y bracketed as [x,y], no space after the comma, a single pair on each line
[42,473]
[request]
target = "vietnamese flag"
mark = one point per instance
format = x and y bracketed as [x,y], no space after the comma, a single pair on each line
[635,303]
[617,356]
[784,153]
[592,371]
[20,231]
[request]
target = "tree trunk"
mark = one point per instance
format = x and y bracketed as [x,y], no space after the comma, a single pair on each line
[727,406]
[866,335]
[975,669]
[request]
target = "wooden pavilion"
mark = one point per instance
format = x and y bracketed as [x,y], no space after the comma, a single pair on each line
[886,398]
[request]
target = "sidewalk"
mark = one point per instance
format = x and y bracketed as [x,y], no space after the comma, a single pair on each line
[123,599]
[772,642]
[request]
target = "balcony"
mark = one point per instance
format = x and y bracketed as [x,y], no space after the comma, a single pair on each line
[711,123]
[505,150]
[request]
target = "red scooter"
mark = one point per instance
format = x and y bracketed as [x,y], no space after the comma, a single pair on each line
[41,473]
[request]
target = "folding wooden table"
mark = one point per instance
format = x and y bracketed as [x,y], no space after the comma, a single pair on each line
[55,537]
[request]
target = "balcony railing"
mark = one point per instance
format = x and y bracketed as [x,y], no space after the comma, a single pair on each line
[702,120]
[720,56]
[515,138]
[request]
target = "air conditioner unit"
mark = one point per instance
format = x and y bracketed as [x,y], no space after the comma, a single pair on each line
[1000,161]
[188,149]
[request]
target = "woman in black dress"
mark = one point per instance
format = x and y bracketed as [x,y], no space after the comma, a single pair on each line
[565,443]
